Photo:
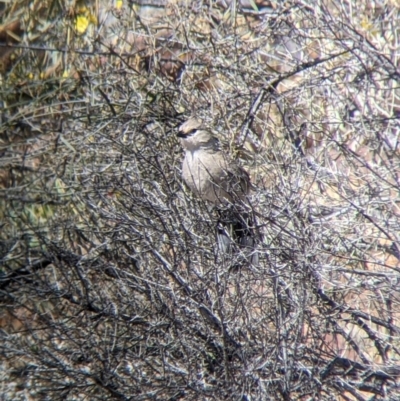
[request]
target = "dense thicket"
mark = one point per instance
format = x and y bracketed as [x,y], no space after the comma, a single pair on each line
[111,283]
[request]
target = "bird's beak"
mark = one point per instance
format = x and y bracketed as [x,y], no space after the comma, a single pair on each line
[180,134]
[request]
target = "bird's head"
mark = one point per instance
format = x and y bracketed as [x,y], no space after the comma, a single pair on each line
[194,136]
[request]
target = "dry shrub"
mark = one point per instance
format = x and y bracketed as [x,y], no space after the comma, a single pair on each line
[111,283]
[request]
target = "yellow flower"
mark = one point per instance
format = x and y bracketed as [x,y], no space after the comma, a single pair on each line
[81,24]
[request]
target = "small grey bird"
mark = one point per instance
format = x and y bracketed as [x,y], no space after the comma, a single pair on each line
[213,176]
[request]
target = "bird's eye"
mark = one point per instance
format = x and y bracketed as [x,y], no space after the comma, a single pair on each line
[185,133]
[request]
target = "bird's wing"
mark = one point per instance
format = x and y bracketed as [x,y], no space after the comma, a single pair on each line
[239,179]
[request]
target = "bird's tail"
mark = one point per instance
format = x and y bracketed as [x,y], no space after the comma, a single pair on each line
[237,237]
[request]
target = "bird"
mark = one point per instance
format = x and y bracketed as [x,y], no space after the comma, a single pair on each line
[215,177]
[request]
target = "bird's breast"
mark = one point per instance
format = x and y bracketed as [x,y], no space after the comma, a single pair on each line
[205,174]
